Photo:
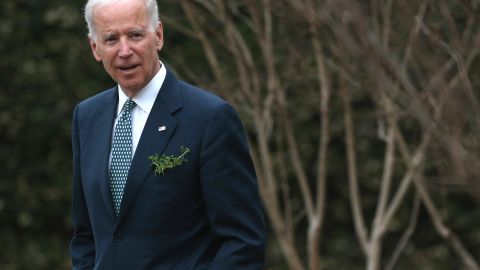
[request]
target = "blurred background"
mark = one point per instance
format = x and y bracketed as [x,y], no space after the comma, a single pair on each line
[363,118]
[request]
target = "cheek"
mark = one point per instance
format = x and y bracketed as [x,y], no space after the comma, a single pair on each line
[108,58]
[108,63]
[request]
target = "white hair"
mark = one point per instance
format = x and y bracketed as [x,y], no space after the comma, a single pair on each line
[152,9]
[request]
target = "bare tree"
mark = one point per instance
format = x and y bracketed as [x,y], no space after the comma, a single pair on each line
[398,97]
[267,55]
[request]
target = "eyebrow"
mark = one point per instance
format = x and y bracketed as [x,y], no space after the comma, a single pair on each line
[107,35]
[137,30]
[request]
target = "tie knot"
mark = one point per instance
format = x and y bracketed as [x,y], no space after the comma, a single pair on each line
[129,105]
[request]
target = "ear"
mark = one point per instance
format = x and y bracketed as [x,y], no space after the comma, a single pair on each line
[95,49]
[159,36]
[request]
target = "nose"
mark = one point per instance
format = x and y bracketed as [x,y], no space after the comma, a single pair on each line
[125,49]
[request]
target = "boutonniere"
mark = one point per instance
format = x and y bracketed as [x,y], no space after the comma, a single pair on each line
[161,163]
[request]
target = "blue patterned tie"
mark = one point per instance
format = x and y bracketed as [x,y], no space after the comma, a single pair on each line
[121,154]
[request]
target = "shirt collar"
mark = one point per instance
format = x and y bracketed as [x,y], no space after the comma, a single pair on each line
[146,97]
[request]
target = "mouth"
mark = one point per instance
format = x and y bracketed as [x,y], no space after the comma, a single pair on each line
[127,68]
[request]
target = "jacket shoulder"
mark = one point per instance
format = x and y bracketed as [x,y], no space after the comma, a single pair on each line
[199,98]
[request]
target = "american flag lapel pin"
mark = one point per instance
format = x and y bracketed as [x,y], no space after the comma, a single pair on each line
[162,128]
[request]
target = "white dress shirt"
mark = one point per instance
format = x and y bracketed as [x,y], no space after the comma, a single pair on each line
[144,100]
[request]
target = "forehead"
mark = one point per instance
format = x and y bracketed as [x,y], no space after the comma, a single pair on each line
[120,14]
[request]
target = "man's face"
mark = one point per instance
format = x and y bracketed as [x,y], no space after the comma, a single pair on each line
[125,44]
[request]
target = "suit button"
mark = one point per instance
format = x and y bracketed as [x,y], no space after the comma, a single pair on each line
[117,237]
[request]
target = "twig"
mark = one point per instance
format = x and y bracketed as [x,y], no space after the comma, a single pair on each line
[360,227]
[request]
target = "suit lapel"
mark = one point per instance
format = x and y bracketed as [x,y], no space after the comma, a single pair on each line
[152,140]
[103,135]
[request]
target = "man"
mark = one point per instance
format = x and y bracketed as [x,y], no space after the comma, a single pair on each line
[195,207]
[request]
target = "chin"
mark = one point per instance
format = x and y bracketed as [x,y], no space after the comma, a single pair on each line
[131,87]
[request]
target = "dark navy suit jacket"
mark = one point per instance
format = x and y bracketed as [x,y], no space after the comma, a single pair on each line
[204,214]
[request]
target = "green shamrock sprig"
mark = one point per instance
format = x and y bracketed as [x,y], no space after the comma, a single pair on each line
[161,163]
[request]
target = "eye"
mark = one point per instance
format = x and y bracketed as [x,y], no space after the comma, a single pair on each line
[110,40]
[136,35]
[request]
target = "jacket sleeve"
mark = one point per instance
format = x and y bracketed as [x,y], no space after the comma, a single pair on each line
[231,193]
[82,248]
